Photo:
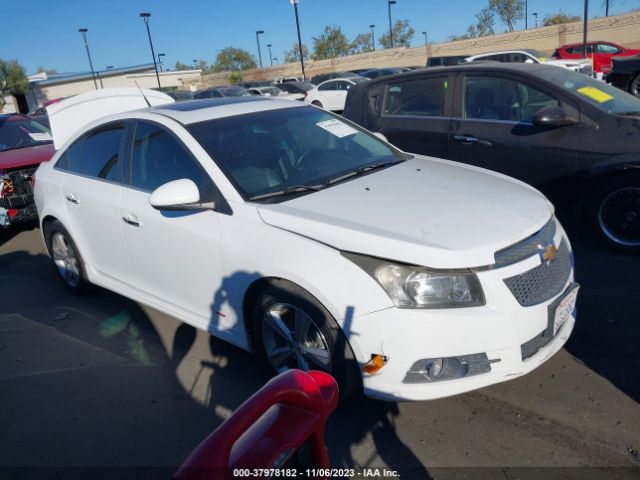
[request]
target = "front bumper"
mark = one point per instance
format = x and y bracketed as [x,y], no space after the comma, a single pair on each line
[502,329]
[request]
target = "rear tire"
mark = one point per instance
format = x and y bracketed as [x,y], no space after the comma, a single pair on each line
[291,329]
[634,86]
[66,258]
[615,213]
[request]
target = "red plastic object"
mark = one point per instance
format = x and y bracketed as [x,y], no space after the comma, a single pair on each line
[268,428]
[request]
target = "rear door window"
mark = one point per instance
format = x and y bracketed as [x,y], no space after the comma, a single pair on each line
[71,158]
[419,97]
[328,86]
[101,153]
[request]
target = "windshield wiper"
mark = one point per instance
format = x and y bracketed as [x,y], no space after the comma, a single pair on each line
[288,191]
[628,114]
[364,169]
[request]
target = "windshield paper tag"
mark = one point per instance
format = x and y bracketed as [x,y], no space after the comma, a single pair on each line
[337,128]
[40,137]
[595,94]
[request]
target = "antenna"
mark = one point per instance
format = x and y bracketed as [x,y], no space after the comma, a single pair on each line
[142,93]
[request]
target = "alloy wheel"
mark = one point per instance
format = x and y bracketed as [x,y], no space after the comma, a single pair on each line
[65,258]
[619,216]
[293,340]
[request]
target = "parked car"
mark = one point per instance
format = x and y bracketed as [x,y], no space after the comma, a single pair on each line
[331,94]
[571,136]
[379,72]
[318,79]
[625,74]
[528,55]
[274,91]
[601,52]
[286,230]
[24,144]
[217,92]
[446,60]
[297,88]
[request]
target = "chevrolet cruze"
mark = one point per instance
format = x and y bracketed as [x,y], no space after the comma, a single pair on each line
[291,232]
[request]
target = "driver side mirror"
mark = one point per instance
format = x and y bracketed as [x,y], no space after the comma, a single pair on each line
[553,117]
[178,195]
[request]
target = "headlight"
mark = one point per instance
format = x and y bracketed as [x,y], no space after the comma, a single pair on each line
[419,287]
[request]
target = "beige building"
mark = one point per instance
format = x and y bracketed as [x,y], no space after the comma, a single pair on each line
[45,87]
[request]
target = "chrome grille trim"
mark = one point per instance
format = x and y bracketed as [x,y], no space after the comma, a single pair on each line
[544,281]
[526,248]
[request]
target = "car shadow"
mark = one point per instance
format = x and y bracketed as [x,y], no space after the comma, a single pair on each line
[607,331]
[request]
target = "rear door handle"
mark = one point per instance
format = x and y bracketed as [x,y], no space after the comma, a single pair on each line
[466,139]
[132,220]
[71,198]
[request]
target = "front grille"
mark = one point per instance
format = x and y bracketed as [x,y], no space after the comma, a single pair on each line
[526,248]
[542,282]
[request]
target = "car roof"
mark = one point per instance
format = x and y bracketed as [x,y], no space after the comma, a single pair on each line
[193,111]
[502,52]
[590,42]
[526,68]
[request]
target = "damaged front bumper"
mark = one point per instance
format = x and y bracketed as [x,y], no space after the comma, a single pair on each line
[16,196]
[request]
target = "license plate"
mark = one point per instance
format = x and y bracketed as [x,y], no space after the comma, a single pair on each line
[564,308]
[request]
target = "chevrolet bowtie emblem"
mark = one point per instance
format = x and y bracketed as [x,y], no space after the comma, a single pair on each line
[548,252]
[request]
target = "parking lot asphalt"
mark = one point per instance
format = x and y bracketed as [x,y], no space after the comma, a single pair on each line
[100,380]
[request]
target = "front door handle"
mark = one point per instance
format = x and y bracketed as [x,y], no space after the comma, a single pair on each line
[466,139]
[132,220]
[71,198]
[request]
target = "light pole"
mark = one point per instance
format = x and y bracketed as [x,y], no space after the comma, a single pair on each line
[606,8]
[535,15]
[295,9]
[526,15]
[275,60]
[159,60]
[426,39]
[373,38]
[145,16]
[270,57]
[389,3]
[109,67]
[195,64]
[84,31]
[258,33]
[584,28]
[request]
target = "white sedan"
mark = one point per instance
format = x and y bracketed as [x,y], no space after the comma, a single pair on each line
[332,94]
[529,55]
[289,231]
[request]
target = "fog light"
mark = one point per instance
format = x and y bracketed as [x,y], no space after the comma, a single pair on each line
[430,370]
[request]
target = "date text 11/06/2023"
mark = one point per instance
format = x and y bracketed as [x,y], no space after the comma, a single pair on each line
[365,473]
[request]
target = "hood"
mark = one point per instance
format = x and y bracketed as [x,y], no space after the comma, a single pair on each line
[72,114]
[424,211]
[22,157]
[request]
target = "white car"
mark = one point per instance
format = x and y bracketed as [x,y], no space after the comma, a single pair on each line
[332,94]
[274,91]
[528,55]
[289,231]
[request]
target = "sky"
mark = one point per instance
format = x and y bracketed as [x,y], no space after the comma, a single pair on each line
[45,32]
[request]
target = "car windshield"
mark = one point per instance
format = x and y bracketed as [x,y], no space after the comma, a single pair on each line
[273,153]
[235,92]
[296,87]
[20,132]
[358,79]
[602,96]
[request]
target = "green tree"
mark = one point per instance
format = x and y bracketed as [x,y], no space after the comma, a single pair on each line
[293,55]
[48,71]
[402,35]
[361,44]
[232,59]
[331,43]
[182,66]
[559,17]
[13,79]
[482,27]
[234,77]
[509,11]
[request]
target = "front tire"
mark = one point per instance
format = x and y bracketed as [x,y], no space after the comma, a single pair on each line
[66,258]
[634,87]
[291,329]
[615,213]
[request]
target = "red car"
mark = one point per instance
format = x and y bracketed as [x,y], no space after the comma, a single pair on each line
[24,144]
[601,52]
